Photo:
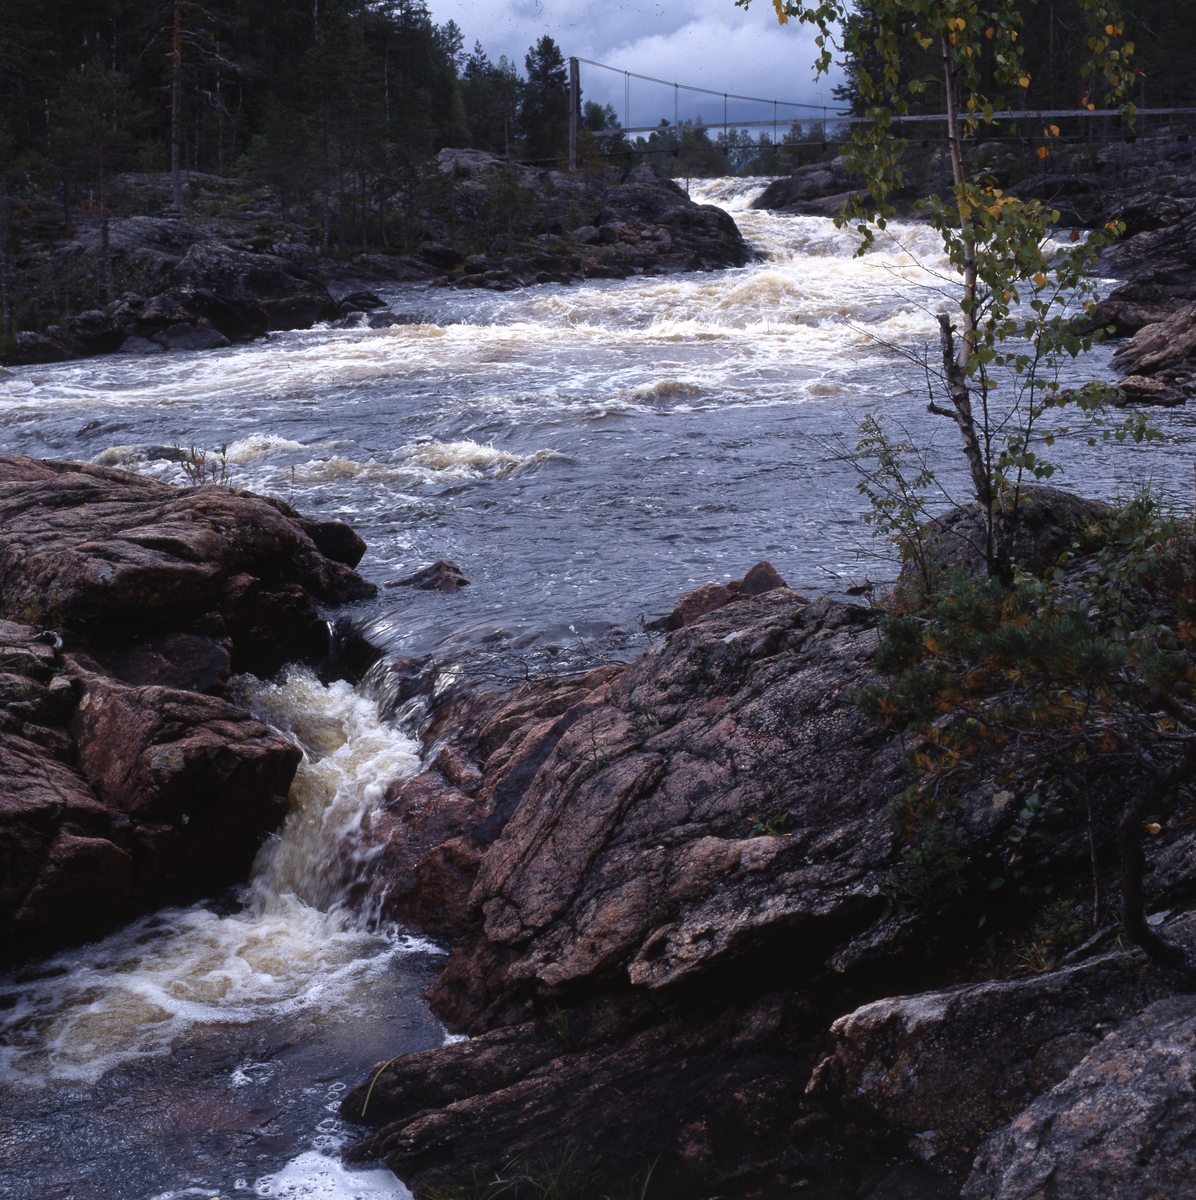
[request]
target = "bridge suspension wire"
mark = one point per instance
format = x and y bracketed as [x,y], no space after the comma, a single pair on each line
[689,87]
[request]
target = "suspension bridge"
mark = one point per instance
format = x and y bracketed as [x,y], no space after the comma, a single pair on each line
[784,112]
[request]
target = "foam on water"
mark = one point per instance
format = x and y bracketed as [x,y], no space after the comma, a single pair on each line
[291,953]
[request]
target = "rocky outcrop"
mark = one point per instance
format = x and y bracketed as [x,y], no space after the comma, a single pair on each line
[1121,1124]
[816,190]
[945,1069]
[664,882]
[185,285]
[112,554]
[126,780]
[643,224]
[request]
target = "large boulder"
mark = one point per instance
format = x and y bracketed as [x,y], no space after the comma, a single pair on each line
[268,290]
[113,554]
[1123,1122]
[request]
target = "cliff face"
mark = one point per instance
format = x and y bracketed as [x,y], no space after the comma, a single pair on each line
[668,888]
[126,780]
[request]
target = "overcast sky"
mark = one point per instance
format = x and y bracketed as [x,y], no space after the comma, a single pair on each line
[710,43]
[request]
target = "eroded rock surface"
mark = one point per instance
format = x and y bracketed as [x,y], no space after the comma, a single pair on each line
[1123,1123]
[666,880]
[111,553]
[946,1068]
[126,781]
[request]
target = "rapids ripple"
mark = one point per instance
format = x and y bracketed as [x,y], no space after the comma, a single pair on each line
[586,454]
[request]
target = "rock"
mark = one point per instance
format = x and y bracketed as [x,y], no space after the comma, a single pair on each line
[947,1068]
[440,255]
[1142,389]
[442,576]
[665,879]
[428,839]
[126,782]
[762,578]
[334,539]
[807,188]
[153,796]
[585,235]
[1160,359]
[699,1102]
[1121,1124]
[628,853]
[263,289]
[187,336]
[139,345]
[112,553]
[36,348]
[1050,521]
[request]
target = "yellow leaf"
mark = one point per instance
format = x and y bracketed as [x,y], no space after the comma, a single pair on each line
[1092,108]
[1024,81]
[1154,828]
[782,15]
[965,211]
[1040,280]
[1054,131]
[988,33]
[1043,152]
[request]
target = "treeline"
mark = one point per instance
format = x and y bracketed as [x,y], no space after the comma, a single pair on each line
[335,102]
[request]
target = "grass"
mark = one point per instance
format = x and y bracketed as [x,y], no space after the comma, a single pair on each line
[550,1175]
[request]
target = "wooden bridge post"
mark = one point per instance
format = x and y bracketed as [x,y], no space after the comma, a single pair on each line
[574,112]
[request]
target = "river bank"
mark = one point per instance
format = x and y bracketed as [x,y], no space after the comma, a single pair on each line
[586,454]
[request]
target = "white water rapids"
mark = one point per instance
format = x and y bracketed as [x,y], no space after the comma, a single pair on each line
[587,454]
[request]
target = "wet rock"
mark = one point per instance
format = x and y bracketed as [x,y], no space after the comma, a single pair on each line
[947,1068]
[702,1102]
[808,190]
[442,576]
[188,336]
[762,578]
[125,781]
[334,539]
[429,836]
[1121,1124]
[628,852]
[139,345]
[150,796]
[1160,359]
[34,348]
[113,553]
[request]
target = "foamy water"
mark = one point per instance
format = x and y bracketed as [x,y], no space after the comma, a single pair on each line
[282,961]
[586,454]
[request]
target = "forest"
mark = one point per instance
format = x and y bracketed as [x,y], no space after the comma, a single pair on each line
[337,104]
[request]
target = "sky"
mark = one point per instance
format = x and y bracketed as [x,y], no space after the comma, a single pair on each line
[708,43]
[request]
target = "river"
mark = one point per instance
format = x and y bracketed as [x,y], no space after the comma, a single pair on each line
[586,454]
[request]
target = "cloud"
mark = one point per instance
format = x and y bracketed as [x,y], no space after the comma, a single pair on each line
[707,43]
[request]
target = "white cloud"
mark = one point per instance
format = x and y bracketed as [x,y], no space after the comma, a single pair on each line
[707,43]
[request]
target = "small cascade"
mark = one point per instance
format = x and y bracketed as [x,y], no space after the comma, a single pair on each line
[284,962]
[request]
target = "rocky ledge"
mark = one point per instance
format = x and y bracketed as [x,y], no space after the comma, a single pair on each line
[184,285]
[593,228]
[674,944]
[127,780]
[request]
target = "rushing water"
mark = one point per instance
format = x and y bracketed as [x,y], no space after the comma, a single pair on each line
[586,454]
